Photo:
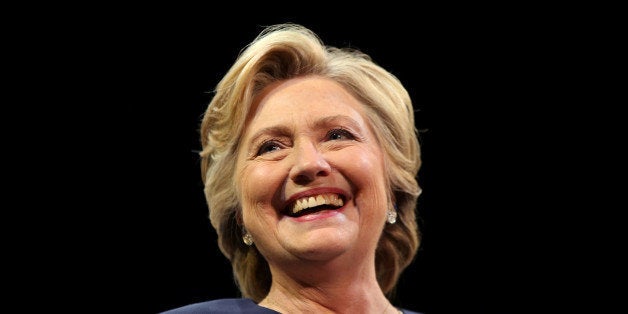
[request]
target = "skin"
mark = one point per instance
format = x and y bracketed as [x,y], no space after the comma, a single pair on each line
[309,136]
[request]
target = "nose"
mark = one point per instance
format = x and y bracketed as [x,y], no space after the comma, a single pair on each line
[309,163]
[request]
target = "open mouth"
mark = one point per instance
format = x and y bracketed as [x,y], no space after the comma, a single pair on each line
[314,203]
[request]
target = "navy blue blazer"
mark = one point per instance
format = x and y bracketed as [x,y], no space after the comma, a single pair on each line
[236,305]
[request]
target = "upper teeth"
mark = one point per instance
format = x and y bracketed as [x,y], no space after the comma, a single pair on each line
[317,200]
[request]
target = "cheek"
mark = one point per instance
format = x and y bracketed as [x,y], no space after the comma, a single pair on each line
[370,166]
[257,184]
[366,170]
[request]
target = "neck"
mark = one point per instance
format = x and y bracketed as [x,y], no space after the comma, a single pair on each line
[330,287]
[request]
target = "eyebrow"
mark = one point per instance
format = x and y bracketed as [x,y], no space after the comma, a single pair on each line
[278,130]
[281,130]
[324,121]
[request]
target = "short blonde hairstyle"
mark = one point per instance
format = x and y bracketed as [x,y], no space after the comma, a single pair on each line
[285,51]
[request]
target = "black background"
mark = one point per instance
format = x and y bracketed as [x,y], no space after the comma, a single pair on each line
[481,84]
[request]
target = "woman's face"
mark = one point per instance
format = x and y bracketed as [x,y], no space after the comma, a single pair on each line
[310,174]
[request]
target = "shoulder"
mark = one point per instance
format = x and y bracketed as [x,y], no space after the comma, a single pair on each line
[404,311]
[235,305]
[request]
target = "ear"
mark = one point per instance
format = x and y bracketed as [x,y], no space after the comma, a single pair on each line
[238,217]
[392,199]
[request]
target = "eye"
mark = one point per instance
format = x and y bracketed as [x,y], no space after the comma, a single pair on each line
[339,134]
[267,147]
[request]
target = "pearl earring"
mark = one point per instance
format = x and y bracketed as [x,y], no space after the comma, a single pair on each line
[391,215]
[247,237]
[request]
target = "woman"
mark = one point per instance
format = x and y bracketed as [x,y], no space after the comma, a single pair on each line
[309,161]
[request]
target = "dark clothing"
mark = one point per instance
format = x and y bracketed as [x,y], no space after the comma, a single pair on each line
[239,305]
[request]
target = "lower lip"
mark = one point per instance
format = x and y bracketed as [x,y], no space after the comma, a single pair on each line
[318,215]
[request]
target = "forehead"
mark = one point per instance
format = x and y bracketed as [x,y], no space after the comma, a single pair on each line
[305,97]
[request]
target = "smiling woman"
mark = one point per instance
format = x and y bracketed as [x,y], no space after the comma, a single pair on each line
[318,158]
[310,156]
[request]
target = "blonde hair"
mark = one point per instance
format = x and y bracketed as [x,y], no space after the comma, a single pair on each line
[285,51]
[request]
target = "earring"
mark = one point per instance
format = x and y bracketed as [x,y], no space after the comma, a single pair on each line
[391,215]
[247,237]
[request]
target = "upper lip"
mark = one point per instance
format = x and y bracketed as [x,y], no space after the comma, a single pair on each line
[313,192]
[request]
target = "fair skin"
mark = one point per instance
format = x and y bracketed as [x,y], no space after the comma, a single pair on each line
[308,148]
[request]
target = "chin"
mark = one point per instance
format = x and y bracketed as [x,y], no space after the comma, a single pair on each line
[321,253]
[322,244]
